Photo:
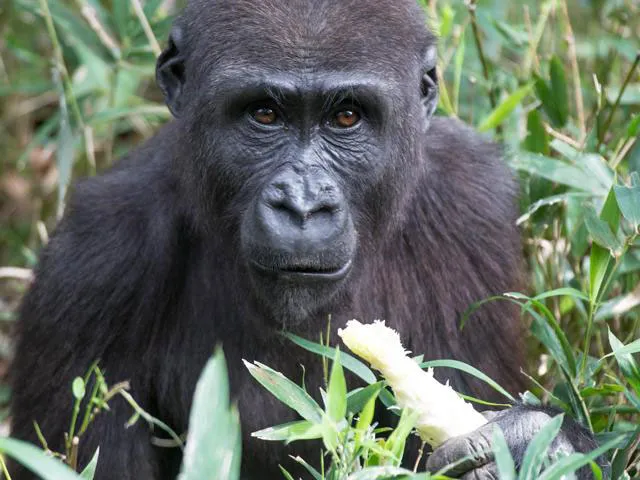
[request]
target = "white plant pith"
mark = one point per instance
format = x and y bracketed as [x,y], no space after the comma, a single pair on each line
[442,414]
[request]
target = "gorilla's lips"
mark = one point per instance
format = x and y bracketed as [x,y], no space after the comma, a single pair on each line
[303,272]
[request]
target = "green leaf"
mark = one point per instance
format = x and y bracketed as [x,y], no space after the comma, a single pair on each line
[517,38]
[291,431]
[358,399]
[546,333]
[559,172]
[365,418]
[600,262]
[623,452]
[90,470]
[504,460]
[214,439]
[575,461]
[633,130]
[314,473]
[551,331]
[36,460]
[625,360]
[602,390]
[629,348]
[66,142]
[559,90]
[545,95]
[337,391]
[69,25]
[502,111]
[153,110]
[536,453]
[286,391]
[348,361]
[598,167]
[77,387]
[537,140]
[396,441]
[121,17]
[458,365]
[600,231]
[381,473]
[610,212]
[618,305]
[548,201]
[151,8]
[447,15]
[568,291]
[629,200]
[286,474]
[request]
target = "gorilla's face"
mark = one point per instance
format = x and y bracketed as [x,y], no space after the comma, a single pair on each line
[310,147]
[303,138]
[315,145]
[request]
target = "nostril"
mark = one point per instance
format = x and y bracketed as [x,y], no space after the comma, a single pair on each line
[323,209]
[299,212]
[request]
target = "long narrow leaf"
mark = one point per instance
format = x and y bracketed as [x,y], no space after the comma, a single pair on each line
[36,460]
[458,365]
[286,391]
[337,391]
[213,443]
[502,111]
[536,453]
[348,361]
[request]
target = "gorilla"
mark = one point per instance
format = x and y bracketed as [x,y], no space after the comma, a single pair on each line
[304,175]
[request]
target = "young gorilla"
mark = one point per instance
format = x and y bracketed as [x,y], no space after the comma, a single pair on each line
[303,176]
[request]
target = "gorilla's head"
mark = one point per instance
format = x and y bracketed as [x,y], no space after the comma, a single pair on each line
[303,126]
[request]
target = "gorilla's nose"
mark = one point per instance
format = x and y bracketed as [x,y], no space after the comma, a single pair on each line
[302,211]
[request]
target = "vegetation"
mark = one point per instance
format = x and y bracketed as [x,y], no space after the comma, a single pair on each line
[556,81]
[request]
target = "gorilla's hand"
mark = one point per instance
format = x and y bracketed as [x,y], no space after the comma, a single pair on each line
[519,424]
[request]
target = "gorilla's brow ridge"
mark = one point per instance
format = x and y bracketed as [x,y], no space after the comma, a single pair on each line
[333,88]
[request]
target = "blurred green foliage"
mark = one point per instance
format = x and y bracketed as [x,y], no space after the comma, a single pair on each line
[556,81]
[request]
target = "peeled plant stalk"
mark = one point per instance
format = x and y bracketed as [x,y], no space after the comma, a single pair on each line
[442,414]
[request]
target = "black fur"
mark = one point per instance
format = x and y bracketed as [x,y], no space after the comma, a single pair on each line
[147,270]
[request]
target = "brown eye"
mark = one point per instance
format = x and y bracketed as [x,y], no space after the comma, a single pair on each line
[346,118]
[265,115]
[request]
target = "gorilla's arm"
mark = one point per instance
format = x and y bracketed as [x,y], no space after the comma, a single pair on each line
[92,291]
[519,425]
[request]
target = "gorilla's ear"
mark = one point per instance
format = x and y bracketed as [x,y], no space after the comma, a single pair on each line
[429,81]
[170,74]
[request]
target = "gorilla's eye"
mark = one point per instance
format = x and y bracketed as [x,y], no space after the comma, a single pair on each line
[346,118]
[265,115]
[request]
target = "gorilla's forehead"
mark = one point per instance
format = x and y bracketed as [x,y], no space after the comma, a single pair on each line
[300,83]
[379,36]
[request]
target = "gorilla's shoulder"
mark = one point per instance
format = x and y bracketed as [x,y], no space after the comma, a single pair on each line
[458,143]
[131,208]
[469,169]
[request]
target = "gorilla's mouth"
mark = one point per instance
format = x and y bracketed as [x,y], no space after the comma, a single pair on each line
[302,272]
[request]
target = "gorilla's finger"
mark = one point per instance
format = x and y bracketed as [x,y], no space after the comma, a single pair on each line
[464,453]
[487,472]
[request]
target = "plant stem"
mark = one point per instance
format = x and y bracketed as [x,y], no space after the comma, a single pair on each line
[575,69]
[593,305]
[471,6]
[91,17]
[73,455]
[148,31]
[545,11]
[59,60]
[7,476]
[626,82]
